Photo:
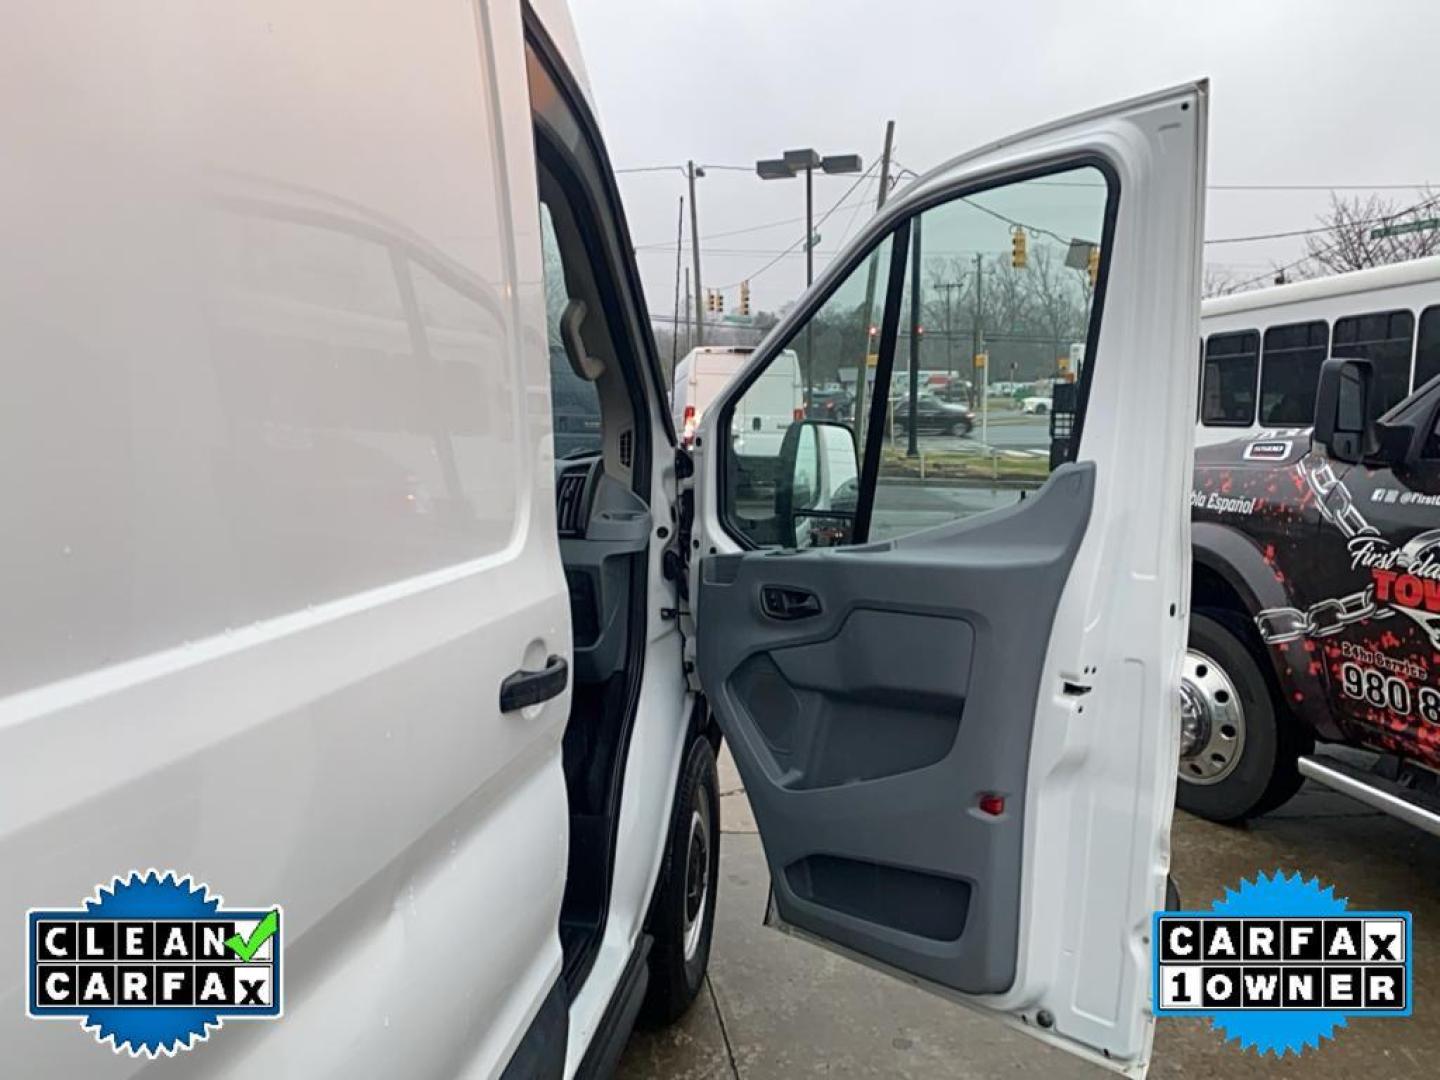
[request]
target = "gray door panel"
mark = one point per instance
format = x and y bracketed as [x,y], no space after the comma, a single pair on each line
[870,696]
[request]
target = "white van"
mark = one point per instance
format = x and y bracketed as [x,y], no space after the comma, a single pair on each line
[699,377]
[300,601]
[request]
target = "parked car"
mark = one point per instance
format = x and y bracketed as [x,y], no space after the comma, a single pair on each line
[933,415]
[1315,615]
[831,404]
[1037,405]
[282,280]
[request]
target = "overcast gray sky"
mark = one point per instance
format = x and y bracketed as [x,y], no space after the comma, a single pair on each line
[1315,92]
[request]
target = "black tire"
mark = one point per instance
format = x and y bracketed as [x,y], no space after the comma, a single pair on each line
[675,978]
[960,428]
[1041,410]
[1265,775]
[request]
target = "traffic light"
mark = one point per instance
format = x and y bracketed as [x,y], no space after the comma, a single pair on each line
[1017,248]
[719,302]
[709,299]
[745,298]
[1094,264]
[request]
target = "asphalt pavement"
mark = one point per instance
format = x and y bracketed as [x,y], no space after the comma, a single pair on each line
[776,1008]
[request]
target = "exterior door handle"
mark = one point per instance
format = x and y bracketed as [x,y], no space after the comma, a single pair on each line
[787,604]
[522,688]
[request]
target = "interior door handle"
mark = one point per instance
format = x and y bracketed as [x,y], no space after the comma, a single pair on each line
[784,603]
[524,688]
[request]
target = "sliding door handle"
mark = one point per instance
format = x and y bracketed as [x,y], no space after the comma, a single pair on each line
[525,688]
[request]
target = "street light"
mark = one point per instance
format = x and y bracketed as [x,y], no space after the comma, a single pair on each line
[792,164]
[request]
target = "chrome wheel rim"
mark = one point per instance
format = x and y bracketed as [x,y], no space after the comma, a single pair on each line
[697,882]
[1212,721]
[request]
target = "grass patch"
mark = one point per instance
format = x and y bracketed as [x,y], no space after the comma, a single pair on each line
[964,466]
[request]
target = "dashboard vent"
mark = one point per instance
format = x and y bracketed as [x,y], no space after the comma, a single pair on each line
[570,503]
[627,448]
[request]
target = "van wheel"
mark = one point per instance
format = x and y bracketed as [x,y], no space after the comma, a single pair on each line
[1238,745]
[682,918]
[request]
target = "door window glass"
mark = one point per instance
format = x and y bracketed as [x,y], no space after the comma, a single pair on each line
[1427,347]
[1291,372]
[994,317]
[1227,395]
[977,395]
[1383,338]
[781,489]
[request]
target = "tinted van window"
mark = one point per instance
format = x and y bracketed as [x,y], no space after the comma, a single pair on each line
[1291,372]
[1232,362]
[1383,338]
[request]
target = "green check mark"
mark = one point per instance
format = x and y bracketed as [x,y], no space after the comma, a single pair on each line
[244,948]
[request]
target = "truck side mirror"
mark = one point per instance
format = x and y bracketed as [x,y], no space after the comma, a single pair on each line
[1344,424]
[817,489]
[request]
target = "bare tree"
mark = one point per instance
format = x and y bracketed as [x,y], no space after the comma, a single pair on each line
[1350,241]
[1219,282]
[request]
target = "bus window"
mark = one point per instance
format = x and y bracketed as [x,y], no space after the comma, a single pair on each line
[1290,372]
[1427,349]
[1232,362]
[1383,338]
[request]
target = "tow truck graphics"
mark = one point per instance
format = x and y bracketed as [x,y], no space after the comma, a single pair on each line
[1335,567]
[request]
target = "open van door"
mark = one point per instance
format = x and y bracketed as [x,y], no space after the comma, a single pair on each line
[950,678]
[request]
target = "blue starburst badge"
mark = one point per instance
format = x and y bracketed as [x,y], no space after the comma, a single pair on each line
[153,963]
[1280,964]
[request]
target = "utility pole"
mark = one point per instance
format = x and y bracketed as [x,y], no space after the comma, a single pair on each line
[675,323]
[688,346]
[695,252]
[950,287]
[913,448]
[862,374]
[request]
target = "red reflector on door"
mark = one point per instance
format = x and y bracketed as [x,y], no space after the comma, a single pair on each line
[994,805]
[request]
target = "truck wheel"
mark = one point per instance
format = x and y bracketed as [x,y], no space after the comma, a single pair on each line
[682,918]
[1238,747]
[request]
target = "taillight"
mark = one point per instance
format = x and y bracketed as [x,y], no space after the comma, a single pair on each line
[799,414]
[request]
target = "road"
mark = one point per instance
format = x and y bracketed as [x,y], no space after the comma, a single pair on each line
[1007,431]
[776,1008]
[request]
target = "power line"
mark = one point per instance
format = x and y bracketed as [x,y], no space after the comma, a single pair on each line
[806,239]
[666,246]
[1422,205]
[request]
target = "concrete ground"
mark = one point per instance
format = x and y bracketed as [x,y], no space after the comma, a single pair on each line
[775,1007]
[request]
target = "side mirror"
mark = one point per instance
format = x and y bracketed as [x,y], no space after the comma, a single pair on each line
[817,489]
[1344,423]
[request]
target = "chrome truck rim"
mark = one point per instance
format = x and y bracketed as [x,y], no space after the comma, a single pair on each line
[1212,723]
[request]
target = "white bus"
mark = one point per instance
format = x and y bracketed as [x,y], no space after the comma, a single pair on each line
[1261,351]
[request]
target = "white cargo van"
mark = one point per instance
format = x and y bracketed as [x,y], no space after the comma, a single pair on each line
[699,378]
[300,600]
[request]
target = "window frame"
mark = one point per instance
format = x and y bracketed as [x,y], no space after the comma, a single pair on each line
[1255,387]
[1427,315]
[569,146]
[897,229]
[1260,417]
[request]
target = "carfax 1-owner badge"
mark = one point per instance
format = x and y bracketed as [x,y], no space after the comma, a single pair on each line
[152,962]
[1280,963]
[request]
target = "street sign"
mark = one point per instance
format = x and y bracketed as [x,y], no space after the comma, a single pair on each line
[738,320]
[872,359]
[1419,225]
[981,359]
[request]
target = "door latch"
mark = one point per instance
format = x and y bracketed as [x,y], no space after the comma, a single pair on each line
[785,603]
